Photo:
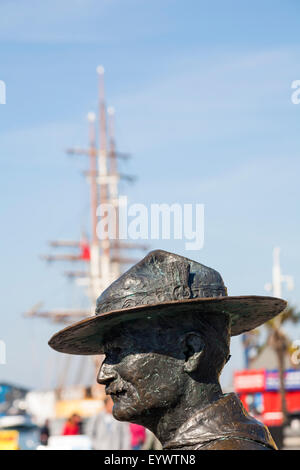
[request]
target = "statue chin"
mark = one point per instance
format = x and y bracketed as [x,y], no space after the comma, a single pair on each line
[123,412]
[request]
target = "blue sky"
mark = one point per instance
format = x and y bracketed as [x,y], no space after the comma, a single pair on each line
[202,91]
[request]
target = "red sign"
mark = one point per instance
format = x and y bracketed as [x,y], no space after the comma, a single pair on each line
[250,381]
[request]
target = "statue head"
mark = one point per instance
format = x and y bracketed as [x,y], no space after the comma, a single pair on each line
[155,364]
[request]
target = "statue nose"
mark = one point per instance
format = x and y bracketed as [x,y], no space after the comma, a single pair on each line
[106,374]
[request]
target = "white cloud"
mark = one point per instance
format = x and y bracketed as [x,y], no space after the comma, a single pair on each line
[209,97]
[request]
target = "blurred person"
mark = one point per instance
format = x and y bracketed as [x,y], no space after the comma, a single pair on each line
[138,436]
[151,442]
[45,433]
[106,432]
[73,426]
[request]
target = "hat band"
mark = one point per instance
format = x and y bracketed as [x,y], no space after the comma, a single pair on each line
[160,295]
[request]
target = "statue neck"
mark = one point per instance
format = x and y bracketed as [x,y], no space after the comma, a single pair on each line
[196,397]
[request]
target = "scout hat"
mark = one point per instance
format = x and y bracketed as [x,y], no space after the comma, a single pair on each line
[169,284]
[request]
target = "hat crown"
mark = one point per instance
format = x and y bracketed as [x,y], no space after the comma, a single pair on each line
[161,277]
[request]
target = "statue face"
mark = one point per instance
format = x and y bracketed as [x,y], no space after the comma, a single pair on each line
[140,376]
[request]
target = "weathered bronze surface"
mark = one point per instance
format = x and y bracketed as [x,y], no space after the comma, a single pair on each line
[165,327]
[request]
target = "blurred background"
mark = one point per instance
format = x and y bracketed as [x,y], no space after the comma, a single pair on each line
[164,102]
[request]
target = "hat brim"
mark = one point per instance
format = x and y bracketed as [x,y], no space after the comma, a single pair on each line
[86,337]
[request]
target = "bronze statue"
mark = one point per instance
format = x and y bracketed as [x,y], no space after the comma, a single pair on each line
[164,327]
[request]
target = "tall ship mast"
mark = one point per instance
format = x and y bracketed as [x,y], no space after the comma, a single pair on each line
[104,257]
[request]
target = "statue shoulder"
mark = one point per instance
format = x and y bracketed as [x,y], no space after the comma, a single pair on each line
[235,444]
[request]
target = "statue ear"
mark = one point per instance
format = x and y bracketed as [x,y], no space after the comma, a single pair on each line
[193,348]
